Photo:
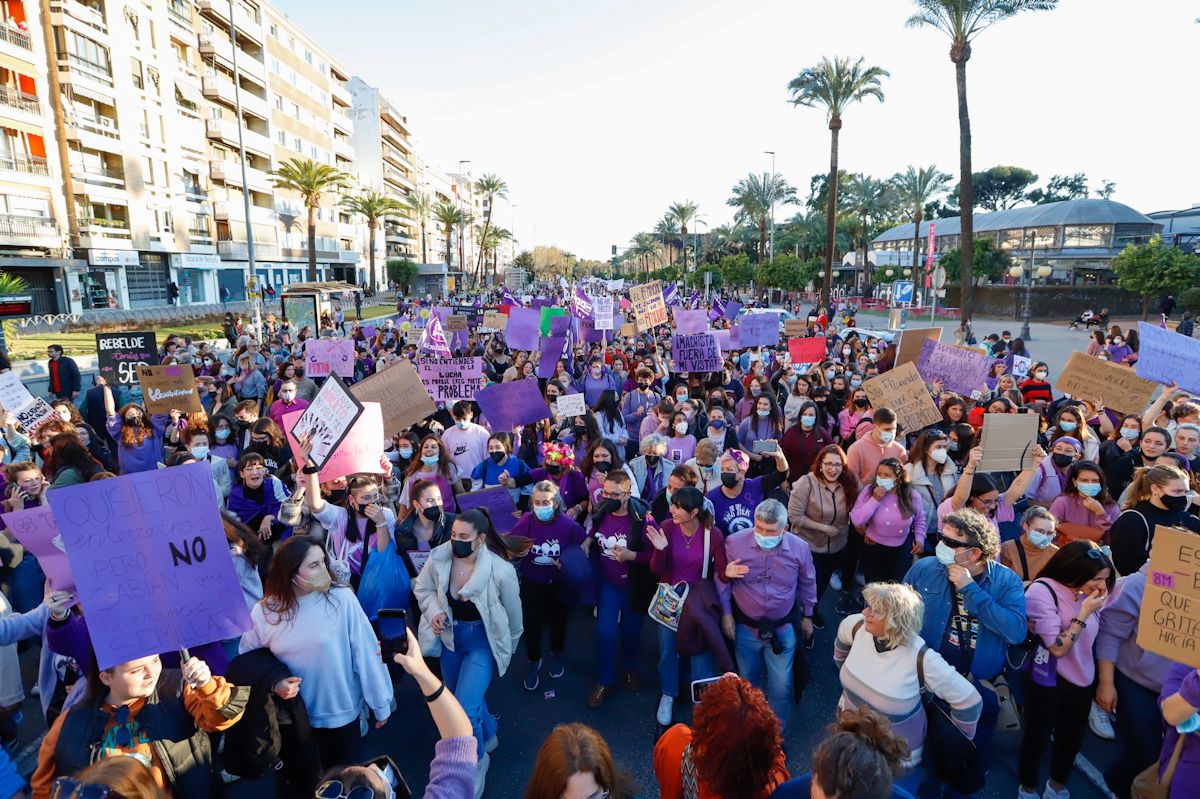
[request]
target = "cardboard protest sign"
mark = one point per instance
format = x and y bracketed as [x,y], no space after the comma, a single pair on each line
[551,352]
[571,405]
[451,379]
[691,321]
[1169,623]
[795,328]
[522,330]
[359,451]
[119,354]
[31,412]
[1092,379]
[628,330]
[806,350]
[1008,441]
[509,405]
[649,309]
[323,356]
[1165,356]
[37,531]
[758,329]
[151,563]
[494,320]
[904,391]
[499,504]
[456,323]
[604,312]
[327,420]
[169,388]
[401,395]
[961,371]
[546,314]
[698,352]
[908,350]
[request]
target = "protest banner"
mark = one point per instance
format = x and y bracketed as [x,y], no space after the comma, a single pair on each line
[119,354]
[498,502]
[1169,622]
[908,350]
[1008,441]
[551,352]
[494,320]
[649,309]
[359,451]
[604,312]
[806,350]
[758,329]
[456,323]
[31,412]
[451,379]
[962,371]
[727,338]
[546,314]
[590,333]
[687,322]
[401,395]
[1166,356]
[37,531]
[327,420]
[904,391]
[628,330]
[795,328]
[698,352]
[522,330]
[151,562]
[1018,366]
[323,356]
[559,325]
[509,405]
[570,405]
[169,388]
[1118,387]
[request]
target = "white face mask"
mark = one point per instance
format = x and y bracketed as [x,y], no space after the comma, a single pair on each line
[939,455]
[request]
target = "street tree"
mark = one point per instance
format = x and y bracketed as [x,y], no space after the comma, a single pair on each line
[1153,269]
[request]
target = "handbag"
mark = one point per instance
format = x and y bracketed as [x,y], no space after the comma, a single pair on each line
[1147,785]
[291,509]
[339,561]
[1042,666]
[667,604]
[951,754]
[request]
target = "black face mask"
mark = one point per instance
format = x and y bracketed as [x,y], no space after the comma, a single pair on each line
[553,468]
[338,496]
[652,460]
[729,480]
[1173,503]
[1060,460]
[603,466]
[579,429]
[498,457]
[607,506]
[643,386]
[861,402]
[462,549]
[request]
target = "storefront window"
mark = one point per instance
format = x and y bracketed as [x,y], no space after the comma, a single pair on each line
[147,281]
[191,286]
[1086,235]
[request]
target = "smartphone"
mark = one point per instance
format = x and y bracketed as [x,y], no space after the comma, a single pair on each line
[699,686]
[766,446]
[393,631]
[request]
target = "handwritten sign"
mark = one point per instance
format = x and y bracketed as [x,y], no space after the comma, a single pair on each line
[904,391]
[327,420]
[1008,441]
[758,329]
[151,562]
[795,328]
[119,354]
[806,350]
[1169,624]
[649,309]
[359,451]
[698,352]
[911,340]
[604,312]
[37,531]
[1019,366]
[451,379]
[31,412]
[509,405]
[570,405]
[1092,379]
[962,371]
[401,395]
[691,321]
[498,502]
[323,356]
[628,330]
[456,323]
[1166,356]
[494,320]
[169,388]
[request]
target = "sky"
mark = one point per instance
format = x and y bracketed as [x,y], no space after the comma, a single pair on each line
[599,115]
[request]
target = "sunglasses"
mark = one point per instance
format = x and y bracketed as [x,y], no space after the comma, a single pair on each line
[955,544]
[1103,553]
[67,788]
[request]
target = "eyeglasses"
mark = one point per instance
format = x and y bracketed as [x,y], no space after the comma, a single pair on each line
[1103,553]
[67,788]
[617,496]
[955,544]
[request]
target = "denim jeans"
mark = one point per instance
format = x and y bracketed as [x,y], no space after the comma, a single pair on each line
[467,673]
[611,603]
[754,657]
[668,662]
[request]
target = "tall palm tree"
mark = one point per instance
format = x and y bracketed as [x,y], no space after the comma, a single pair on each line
[869,198]
[683,213]
[753,197]
[498,236]
[421,205]
[448,216]
[374,206]
[667,229]
[643,247]
[491,187]
[834,85]
[962,21]
[310,180]
[917,187]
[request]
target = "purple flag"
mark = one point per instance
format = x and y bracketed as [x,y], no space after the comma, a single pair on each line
[671,295]
[581,306]
[433,338]
[694,300]
[508,299]
[731,309]
[718,310]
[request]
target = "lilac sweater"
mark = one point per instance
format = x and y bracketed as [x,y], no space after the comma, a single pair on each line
[1117,639]
[452,772]
[882,519]
[1183,680]
[144,457]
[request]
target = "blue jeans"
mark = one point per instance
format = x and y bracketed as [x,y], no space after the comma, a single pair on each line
[467,673]
[28,585]
[754,657]
[668,662]
[613,602]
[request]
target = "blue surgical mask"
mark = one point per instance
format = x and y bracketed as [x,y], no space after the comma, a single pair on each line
[544,512]
[808,421]
[763,414]
[944,553]
[886,483]
[1189,725]
[1039,539]
[887,436]
[952,446]
[1089,489]
[462,424]
[767,541]
[405,452]
[855,382]
[1129,434]
[1066,426]
[199,453]
[716,424]
[429,460]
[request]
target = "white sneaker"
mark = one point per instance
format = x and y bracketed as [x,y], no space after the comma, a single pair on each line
[481,774]
[1050,793]
[835,581]
[666,708]
[1024,794]
[1100,723]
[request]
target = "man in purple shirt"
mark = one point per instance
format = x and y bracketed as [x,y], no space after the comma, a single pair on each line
[770,572]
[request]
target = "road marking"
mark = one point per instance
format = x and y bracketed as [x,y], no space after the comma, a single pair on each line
[1094,776]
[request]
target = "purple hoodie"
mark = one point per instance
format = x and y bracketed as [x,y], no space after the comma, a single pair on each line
[549,540]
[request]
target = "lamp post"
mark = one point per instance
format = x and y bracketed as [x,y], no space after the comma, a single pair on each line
[237,104]
[772,154]
[1028,310]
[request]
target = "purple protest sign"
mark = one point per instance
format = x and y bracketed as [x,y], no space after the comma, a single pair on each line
[151,562]
[499,504]
[522,330]
[731,309]
[591,334]
[687,322]
[552,352]
[537,303]
[760,329]
[960,370]
[698,352]
[509,405]
[37,531]
[560,324]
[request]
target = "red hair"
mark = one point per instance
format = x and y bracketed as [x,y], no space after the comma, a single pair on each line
[736,740]
[847,479]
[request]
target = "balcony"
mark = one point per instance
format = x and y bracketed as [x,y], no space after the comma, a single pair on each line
[227,210]
[25,165]
[12,98]
[348,257]
[180,12]
[398,178]
[29,231]
[212,44]
[238,250]
[16,42]
[247,26]
[104,228]
[341,93]
[230,173]
[226,131]
[398,159]
[344,148]
[215,88]
[99,175]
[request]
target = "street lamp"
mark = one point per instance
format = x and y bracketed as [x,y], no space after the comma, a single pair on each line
[772,154]
[237,105]
[1028,310]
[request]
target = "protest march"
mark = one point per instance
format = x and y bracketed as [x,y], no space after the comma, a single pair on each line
[234,568]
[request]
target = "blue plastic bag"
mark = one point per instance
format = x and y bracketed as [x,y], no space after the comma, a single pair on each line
[385,582]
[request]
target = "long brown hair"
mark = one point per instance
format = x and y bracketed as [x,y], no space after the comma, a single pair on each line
[443,464]
[847,479]
[279,595]
[66,450]
[576,748]
[903,486]
[134,435]
[267,427]
[125,776]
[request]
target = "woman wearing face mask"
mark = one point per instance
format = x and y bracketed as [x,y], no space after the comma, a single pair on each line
[256,496]
[319,631]
[1120,441]
[610,419]
[1157,496]
[196,441]
[858,409]
[1050,479]
[1120,351]
[601,460]
[266,438]
[427,526]
[748,404]
[222,439]
[705,464]
[718,430]
[558,466]
[1084,509]
[765,425]
[681,445]
[804,440]
[890,515]
[933,476]
[637,405]
[979,493]
[544,601]
[960,441]
[501,468]
[1071,422]
[819,512]
[1028,554]
[1035,387]
[838,396]
[795,398]
[288,402]
[596,380]
[471,616]
[434,465]
[139,438]
[579,432]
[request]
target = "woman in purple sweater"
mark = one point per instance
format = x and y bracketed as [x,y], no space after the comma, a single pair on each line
[542,600]
[1180,702]
[139,442]
[688,549]
[888,511]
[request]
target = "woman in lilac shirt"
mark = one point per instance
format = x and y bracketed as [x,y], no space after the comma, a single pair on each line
[681,445]
[1084,509]
[139,441]
[888,512]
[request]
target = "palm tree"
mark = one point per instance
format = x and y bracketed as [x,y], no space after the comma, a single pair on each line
[834,85]
[374,206]
[667,229]
[448,216]
[869,199]
[491,187]
[962,21]
[498,236]
[310,180]
[754,196]
[643,247]
[683,213]
[421,205]
[917,187]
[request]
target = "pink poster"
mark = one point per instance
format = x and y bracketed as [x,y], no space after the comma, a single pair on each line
[359,451]
[37,531]
[324,356]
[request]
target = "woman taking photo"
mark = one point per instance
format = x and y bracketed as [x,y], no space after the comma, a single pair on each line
[819,512]
[575,762]
[471,616]
[890,515]
[764,424]
[319,631]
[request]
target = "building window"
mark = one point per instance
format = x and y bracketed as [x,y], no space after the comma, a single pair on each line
[1086,235]
[282,136]
[297,145]
[273,30]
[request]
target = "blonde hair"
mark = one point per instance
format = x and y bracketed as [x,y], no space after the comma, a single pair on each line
[1159,475]
[708,447]
[551,488]
[902,610]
